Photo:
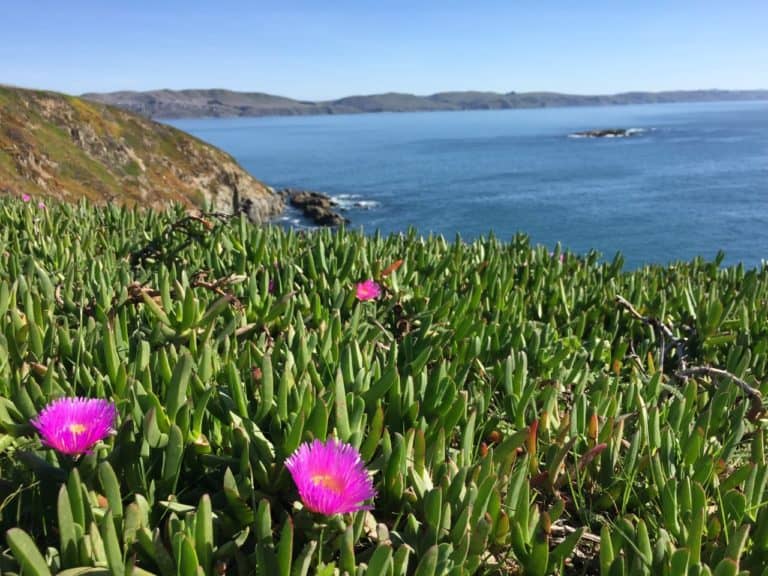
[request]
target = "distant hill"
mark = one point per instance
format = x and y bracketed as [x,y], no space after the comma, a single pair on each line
[63,147]
[217,103]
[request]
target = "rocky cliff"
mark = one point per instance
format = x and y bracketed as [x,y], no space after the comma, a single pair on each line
[63,147]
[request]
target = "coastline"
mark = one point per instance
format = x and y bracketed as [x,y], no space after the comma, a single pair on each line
[190,104]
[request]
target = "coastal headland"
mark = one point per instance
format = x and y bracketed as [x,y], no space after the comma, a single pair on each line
[61,147]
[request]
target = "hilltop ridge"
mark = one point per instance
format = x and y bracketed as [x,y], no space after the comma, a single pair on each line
[226,103]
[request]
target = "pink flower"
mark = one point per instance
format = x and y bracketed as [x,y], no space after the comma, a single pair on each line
[368,290]
[41,205]
[331,477]
[26,197]
[75,425]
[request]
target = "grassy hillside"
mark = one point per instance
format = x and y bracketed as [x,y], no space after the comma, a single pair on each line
[521,412]
[63,147]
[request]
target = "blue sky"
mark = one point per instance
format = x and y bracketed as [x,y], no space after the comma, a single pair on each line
[324,50]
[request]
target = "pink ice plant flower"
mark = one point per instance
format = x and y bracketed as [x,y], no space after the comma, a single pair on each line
[74,425]
[368,290]
[331,477]
[26,197]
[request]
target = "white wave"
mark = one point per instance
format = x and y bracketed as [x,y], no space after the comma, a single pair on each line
[367,204]
[354,201]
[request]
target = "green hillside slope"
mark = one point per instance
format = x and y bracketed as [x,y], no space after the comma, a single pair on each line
[63,147]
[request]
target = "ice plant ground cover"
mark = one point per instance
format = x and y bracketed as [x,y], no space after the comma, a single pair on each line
[518,414]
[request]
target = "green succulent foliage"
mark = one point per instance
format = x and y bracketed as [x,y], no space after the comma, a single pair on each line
[515,418]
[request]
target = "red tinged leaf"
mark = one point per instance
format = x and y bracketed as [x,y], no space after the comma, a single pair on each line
[540,481]
[391,268]
[494,437]
[593,428]
[591,454]
[533,463]
[531,442]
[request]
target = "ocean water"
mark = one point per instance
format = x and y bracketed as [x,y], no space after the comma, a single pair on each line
[691,180]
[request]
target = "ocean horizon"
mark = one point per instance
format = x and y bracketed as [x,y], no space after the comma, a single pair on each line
[689,180]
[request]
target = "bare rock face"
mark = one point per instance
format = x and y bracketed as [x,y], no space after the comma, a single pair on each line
[63,147]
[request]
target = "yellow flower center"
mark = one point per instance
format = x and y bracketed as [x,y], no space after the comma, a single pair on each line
[77,428]
[327,481]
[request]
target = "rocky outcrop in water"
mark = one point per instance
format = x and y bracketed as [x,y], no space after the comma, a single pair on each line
[316,207]
[607,133]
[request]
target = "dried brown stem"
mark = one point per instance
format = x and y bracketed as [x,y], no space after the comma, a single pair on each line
[199,281]
[693,371]
[162,247]
[665,332]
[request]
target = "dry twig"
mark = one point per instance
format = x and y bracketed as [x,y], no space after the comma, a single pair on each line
[754,394]
[684,370]
[664,331]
